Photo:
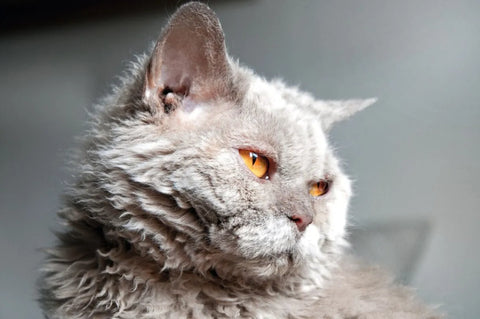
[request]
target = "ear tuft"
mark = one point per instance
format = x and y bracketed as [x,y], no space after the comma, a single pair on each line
[190,58]
[335,111]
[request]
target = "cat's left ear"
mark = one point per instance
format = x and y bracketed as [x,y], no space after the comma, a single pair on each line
[335,111]
[190,58]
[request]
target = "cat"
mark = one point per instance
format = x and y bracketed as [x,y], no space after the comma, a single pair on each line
[206,191]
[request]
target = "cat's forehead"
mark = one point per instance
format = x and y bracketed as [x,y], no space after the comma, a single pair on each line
[278,99]
[284,106]
[283,120]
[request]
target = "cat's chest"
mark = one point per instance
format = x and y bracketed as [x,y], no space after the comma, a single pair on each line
[194,299]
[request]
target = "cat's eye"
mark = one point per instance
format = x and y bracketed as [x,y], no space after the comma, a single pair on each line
[320,188]
[256,163]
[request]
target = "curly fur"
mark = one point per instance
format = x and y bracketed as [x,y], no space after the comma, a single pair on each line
[165,221]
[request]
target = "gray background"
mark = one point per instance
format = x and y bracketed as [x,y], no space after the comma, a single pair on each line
[414,155]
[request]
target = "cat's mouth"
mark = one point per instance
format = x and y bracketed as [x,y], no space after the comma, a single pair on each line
[231,267]
[273,239]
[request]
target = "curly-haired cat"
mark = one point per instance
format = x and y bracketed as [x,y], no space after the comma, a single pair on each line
[205,191]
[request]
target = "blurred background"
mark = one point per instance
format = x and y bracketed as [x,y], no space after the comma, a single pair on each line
[414,156]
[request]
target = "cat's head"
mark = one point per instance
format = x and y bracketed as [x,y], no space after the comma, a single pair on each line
[220,165]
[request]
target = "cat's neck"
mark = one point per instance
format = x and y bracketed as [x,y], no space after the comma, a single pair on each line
[145,258]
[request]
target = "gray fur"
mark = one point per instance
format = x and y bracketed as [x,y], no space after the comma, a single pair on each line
[164,220]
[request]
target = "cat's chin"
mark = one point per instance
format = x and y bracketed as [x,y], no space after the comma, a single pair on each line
[256,243]
[234,268]
[276,261]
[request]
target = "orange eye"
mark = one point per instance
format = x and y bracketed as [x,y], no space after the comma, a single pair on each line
[319,189]
[257,163]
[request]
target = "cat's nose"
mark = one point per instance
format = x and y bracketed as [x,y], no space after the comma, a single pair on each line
[302,220]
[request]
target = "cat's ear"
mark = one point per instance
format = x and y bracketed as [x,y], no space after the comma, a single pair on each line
[190,58]
[334,111]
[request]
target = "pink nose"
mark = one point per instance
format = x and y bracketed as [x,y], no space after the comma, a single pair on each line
[302,220]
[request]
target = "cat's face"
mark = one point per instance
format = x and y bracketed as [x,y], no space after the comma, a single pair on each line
[247,161]
[249,215]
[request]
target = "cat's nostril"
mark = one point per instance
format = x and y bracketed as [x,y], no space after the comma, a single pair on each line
[302,221]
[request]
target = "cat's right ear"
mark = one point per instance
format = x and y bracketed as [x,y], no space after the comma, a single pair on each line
[189,61]
[334,111]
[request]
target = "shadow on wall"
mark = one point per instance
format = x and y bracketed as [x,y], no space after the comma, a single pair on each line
[397,246]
